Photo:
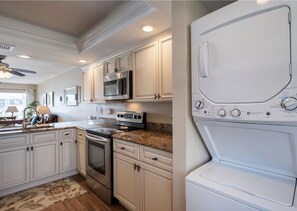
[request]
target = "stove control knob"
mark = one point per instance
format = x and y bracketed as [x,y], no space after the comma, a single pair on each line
[199,104]
[289,103]
[235,112]
[222,112]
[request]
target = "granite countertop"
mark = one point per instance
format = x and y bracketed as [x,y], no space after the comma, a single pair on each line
[83,125]
[154,139]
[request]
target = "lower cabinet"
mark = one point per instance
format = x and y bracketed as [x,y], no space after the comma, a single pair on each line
[14,166]
[140,186]
[40,155]
[81,152]
[66,155]
[44,160]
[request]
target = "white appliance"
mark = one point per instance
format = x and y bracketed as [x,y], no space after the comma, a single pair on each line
[244,100]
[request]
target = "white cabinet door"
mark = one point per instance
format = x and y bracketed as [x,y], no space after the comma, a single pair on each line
[156,188]
[124,61]
[126,181]
[110,66]
[66,155]
[14,166]
[165,68]
[81,153]
[145,77]
[98,83]
[88,85]
[44,160]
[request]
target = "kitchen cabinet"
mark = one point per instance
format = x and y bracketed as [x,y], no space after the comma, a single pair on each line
[39,155]
[93,84]
[44,160]
[67,150]
[153,71]
[14,166]
[119,63]
[81,152]
[140,181]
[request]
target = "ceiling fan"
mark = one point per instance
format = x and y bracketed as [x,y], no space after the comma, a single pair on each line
[7,72]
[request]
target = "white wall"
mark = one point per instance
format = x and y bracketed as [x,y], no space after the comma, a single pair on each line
[188,148]
[156,112]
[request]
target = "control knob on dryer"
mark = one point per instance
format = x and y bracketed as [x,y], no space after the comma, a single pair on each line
[199,104]
[289,103]
[235,112]
[222,112]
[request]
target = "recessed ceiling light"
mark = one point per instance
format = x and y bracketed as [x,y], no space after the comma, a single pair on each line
[148,28]
[24,56]
[82,61]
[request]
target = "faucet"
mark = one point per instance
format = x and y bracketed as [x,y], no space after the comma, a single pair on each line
[24,116]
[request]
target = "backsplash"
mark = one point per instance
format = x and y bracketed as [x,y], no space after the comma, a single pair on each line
[160,127]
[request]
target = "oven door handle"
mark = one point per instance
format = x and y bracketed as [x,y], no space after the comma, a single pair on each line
[100,140]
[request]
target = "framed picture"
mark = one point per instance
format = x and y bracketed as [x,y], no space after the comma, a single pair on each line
[50,99]
[71,96]
[43,99]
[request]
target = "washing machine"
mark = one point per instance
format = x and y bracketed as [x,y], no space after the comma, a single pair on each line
[244,104]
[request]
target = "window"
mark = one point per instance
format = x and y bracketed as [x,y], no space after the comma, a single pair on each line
[12,98]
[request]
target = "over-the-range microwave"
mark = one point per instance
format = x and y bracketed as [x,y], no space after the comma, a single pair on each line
[118,86]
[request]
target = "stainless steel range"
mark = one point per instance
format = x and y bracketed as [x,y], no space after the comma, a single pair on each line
[99,158]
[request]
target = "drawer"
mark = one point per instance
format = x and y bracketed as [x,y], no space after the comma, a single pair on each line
[80,135]
[67,134]
[44,137]
[126,148]
[9,141]
[157,158]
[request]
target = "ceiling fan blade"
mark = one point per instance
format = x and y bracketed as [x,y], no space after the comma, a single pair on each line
[16,73]
[24,71]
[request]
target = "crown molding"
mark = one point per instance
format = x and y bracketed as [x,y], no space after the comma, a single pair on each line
[26,32]
[116,21]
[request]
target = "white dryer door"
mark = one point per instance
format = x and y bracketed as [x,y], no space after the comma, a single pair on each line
[246,60]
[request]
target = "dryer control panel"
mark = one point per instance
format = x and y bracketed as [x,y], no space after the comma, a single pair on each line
[282,107]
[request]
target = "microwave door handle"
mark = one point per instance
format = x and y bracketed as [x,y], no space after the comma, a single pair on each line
[118,87]
[121,87]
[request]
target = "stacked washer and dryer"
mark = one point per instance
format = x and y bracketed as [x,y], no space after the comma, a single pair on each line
[244,92]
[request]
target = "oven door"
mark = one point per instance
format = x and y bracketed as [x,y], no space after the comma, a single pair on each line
[99,159]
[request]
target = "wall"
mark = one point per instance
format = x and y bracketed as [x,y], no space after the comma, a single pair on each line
[189,151]
[156,112]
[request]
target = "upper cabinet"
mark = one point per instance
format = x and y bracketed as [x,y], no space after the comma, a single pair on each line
[118,63]
[153,71]
[93,84]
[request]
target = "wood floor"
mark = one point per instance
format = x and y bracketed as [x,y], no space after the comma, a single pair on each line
[84,202]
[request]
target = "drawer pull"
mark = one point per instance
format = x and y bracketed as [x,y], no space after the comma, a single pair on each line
[80,134]
[154,158]
[67,134]
[27,149]
[31,148]
[123,148]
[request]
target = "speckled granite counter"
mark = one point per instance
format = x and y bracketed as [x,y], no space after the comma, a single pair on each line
[83,125]
[157,140]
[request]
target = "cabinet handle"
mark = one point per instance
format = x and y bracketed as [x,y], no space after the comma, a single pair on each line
[31,148]
[122,148]
[75,141]
[138,168]
[154,158]
[159,96]
[135,166]
[67,134]
[156,96]
[27,149]
[91,100]
[61,143]
[80,134]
